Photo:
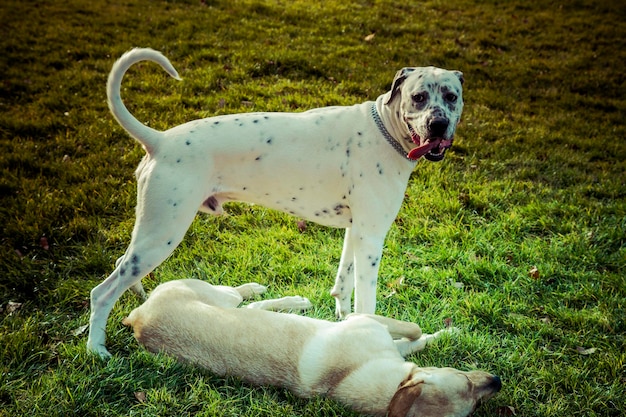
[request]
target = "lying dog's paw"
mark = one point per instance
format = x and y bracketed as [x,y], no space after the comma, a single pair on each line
[293,303]
[298,303]
[251,289]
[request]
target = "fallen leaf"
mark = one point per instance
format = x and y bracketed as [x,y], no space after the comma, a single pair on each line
[43,242]
[458,285]
[506,410]
[66,158]
[583,351]
[534,272]
[395,286]
[12,307]
[369,37]
[447,323]
[301,225]
[545,320]
[141,397]
[80,330]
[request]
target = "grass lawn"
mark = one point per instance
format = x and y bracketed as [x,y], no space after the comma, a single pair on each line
[518,236]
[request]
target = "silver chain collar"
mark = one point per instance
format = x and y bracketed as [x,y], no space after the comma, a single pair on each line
[390,139]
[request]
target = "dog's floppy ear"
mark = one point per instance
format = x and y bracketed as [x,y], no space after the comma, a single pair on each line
[404,398]
[397,82]
[459,74]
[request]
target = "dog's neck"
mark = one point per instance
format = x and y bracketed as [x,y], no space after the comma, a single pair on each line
[394,122]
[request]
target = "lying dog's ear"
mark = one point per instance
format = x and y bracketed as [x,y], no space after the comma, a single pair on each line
[404,398]
[460,75]
[397,82]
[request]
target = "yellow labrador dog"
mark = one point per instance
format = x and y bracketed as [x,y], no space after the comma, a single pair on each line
[358,362]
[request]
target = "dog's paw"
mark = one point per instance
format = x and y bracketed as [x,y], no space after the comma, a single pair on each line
[293,303]
[100,351]
[297,303]
[250,290]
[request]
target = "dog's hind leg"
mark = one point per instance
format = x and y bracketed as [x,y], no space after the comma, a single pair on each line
[162,221]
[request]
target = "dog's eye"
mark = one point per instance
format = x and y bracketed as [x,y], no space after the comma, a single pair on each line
[451,97]
[419,98]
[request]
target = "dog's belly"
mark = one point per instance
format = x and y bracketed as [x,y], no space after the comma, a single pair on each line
[333,213]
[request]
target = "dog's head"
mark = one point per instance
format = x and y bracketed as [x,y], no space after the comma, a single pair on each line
[442,392]
[429,102]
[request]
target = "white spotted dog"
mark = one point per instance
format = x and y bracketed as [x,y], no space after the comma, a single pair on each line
[358,362]
[343,167]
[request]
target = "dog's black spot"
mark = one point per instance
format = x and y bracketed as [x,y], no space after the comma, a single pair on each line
[359,133]
[122,272]
[245,188]
[293,199]
[266,117]
[178,161]
[255,121]
[325,211]
[348,152]
[339,209]
[380,168]
[169,243]
[216,123]
[187,142]
[135,271]
[134,260]
[269,141]
[258,158]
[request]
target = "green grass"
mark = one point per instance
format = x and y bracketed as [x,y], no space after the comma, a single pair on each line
[536,179]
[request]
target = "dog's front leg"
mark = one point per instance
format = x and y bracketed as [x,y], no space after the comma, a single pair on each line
[368,251]
[406,346]
[344,282]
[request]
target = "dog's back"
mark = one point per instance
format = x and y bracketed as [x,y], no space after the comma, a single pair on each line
[258,346]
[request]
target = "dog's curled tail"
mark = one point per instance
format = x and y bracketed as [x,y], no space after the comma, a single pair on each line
[144,134]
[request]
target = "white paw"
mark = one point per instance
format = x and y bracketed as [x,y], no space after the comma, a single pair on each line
[100,351]
[257,289]
[298,303]
[251,289]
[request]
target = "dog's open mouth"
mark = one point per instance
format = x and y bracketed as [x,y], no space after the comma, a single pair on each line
[433,150]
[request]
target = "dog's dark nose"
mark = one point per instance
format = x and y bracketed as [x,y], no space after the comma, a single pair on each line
[496,383]
[438,126]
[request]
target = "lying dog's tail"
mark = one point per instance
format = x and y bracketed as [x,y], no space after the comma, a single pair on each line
[144,134]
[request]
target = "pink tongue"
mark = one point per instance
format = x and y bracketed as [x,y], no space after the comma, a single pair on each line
[417,153]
